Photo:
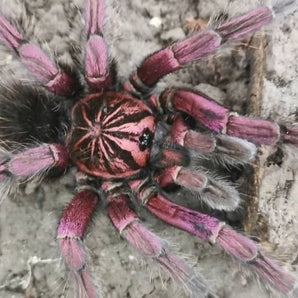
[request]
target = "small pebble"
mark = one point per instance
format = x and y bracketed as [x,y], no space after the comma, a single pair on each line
[155,22]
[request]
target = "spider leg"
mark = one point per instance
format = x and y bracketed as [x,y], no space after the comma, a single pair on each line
[33,161]
[227,149]
[220,120]
[211,229]
[217,194]
[152,247]
[97,72]
[194,47]
[40,65]
[72,226]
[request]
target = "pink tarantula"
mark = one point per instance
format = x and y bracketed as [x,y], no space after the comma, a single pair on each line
[130,144]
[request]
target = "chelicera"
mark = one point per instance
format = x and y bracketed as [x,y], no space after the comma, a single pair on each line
[130,142]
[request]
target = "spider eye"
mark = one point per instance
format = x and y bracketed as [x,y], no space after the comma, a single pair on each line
[145,140]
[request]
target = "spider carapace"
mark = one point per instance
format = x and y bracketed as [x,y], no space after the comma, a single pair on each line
[111,135]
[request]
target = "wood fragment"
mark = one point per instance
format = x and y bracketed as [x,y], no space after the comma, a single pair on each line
[253,225]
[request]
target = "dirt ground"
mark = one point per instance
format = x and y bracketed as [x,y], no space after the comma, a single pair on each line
[29,259]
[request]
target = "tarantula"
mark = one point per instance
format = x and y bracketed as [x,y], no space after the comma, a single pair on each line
[129,143]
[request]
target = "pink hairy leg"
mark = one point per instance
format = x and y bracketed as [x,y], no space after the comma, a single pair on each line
[194,47]
[211,229]
[34,161]
[217,194]
[96,69]
[72,226]
[220,120]
[152,247]
[229,149]
[40,65]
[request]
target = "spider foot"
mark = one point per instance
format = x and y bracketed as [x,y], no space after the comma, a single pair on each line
[212,230]
[71,228]
[98,73]
[153,248]
[247,251]
[40,64]
[74,256]
[194,47]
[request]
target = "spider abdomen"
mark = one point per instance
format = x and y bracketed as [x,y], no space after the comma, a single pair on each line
[111,135]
